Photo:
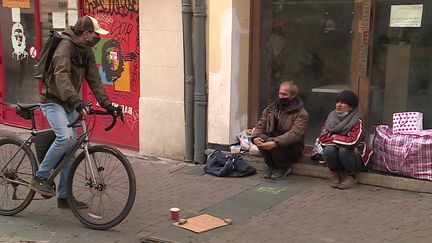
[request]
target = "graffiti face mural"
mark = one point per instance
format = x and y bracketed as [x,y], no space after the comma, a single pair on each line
[18,42]
[112,60]
[117,58]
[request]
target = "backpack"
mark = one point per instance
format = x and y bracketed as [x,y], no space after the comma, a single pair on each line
[220,164]
[47,54]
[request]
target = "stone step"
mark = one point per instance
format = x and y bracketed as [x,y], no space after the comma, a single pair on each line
[307,167]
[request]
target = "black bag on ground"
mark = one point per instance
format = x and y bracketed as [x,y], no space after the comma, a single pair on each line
[220,164]
[43,140]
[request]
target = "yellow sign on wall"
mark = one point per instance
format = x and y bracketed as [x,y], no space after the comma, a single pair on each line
[16,3]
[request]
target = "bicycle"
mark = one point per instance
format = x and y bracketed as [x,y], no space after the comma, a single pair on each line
[100,175]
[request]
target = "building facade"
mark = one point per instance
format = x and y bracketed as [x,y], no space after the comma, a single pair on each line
[380,49]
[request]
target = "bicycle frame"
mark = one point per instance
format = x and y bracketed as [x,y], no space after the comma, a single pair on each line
[86,178]
[28,142]
[82,141]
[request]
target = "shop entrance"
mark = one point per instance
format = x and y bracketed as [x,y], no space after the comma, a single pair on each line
[18,52]
[24,26]
[308,42]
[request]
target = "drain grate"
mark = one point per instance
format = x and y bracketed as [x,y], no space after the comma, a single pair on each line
[155,240]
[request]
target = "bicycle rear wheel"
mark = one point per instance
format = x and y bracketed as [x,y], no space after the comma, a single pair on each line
[111,196]
[17,168]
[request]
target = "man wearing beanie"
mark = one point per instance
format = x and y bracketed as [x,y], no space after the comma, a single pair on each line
[279,134]
[345,151]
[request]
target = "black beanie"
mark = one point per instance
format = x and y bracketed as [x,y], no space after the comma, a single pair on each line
[348,97]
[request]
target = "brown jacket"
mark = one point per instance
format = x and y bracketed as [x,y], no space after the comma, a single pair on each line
[286,125]
[63,84]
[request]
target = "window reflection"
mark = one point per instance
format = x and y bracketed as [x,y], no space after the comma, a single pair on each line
[401,77]
[308,42]
[20,84]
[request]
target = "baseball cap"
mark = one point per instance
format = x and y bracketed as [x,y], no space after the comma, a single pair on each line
[87,23]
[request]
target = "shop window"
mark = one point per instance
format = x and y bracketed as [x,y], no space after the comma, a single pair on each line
[18,34]
[401,74]
[308,42]
[57,15]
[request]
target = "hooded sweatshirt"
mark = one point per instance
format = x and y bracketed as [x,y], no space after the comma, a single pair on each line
[72,63]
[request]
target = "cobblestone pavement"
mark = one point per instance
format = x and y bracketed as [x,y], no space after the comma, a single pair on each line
[299,209]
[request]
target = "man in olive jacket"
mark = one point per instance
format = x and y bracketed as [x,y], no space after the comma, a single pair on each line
[279,134]
[73,61]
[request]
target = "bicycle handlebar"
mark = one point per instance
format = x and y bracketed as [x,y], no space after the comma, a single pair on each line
[97,112]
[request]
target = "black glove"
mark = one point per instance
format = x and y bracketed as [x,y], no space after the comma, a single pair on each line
[79,106]
[117,111]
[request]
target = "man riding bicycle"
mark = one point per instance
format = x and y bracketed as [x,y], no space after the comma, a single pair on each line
[73,62]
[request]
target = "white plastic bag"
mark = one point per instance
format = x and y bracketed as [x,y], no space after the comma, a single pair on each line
[245,139]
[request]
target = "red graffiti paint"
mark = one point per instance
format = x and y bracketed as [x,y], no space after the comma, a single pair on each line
[117,57]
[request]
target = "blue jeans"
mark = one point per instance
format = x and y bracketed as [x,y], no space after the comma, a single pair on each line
[65,137]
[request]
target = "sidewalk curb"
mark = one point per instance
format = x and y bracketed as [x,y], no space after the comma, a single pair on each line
[305,168]
[373,178]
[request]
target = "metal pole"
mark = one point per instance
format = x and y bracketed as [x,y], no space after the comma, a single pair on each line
[189,79]
[200,97]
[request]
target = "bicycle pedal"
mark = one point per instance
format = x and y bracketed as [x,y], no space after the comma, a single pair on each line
[46,197]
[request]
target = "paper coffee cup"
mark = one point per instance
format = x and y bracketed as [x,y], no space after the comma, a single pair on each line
[175,214]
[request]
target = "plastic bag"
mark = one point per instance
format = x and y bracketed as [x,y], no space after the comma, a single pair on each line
[245,139]
[317,151]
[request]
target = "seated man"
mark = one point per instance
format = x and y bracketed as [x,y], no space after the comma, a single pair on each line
[279,134]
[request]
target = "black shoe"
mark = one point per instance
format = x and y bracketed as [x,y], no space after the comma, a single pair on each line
[62,203]
[281,174]
[42,186]
[268,173]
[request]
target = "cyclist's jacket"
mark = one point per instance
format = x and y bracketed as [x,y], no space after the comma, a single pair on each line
[72,63]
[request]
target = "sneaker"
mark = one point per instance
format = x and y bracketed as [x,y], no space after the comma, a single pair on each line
[334,179]
[62,203]
[281,174]
[269,172]
[43,187]
[348,182]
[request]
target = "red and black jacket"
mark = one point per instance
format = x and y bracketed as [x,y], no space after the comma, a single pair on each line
[354,140]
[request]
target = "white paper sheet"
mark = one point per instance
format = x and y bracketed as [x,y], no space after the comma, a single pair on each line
[16,15]
[59,20]
[72,4]
[406,15]
[72,17]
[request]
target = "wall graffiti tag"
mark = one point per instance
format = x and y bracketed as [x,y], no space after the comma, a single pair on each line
[117,58]
[120,8]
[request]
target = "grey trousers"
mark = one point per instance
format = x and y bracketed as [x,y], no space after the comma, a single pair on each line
[342,159]
[281,157]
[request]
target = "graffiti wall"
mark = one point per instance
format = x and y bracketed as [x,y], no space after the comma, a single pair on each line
[117,57]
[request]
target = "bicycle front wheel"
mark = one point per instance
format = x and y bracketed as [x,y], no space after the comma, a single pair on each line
[110,195]
[17,167]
